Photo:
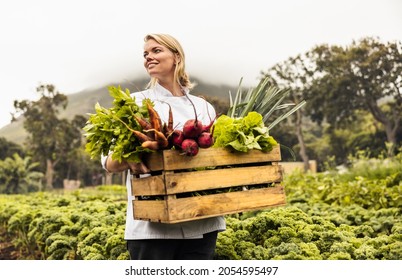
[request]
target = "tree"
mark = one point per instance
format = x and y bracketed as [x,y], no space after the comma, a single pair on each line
[76,164]
[19,175]
[295,75]
[8,149]
[364,76]
[50,138]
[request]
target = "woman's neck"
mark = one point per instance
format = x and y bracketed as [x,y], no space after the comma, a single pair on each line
[173,87]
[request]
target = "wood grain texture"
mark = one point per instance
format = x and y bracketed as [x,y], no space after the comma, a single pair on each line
[208,192]
[200,207]
[175,160]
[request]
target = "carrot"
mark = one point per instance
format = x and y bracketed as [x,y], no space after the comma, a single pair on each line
[160,138]
[141,136]
[153,145]
[143,122]
[154,118]
[169,128]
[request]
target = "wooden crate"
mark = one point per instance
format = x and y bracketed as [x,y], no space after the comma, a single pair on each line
[174,185]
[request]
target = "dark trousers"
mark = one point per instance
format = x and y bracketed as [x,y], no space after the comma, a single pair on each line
[173,249]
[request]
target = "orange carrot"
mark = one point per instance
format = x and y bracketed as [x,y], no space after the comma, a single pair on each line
[154,118]
[141,136]
[143,122]
[153,145]
[169,128]
[160,138]
[164,129]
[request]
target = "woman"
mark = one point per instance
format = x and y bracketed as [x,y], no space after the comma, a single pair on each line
[164,61]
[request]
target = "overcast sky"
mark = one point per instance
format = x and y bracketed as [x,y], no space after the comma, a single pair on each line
[76,44]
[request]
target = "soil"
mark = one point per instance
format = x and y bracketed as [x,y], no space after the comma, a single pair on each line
[7,249]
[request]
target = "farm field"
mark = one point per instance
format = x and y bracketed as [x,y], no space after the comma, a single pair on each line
[351,215]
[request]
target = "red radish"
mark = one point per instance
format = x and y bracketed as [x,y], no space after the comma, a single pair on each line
[190,147]
[207,127]
[176,138]
[205,140]
[192,128]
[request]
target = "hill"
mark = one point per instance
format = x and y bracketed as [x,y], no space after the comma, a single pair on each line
[83,102]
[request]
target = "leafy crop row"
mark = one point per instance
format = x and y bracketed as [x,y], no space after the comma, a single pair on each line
[314,232]
[77,225]
[328,216]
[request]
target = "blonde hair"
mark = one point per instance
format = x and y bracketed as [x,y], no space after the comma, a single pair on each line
[174,46]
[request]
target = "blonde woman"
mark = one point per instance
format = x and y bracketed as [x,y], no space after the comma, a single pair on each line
[164,61]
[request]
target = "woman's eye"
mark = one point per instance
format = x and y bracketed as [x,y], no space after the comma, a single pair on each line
[153,51]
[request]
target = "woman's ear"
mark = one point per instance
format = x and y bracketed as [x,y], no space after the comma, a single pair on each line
[177,59]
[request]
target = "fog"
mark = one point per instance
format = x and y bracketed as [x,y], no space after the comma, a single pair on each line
[79,44]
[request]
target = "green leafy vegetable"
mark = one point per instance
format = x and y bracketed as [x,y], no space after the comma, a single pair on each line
[108,129]
[243,134]
[264,99]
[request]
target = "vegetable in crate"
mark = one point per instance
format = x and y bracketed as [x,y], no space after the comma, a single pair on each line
[248,120]
[112,129]
[195,135]
[264,99]
[243,134]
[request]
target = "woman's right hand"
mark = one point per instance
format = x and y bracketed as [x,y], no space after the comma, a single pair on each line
[138,168]
[114,166]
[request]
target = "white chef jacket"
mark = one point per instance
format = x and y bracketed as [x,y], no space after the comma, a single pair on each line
[182,111]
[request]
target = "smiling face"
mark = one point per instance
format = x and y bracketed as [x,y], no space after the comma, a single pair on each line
[159,61]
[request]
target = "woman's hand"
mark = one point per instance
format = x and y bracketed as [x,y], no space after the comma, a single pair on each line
[115,166]
[138,168]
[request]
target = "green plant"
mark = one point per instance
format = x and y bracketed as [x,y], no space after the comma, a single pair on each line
[19,175]
[328,216]
[111,129]
[243,133]
[265,99]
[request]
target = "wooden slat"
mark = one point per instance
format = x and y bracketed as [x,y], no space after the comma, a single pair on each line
[149,210]
[153,185]
[173,181]
[194,208]
[221,178]
[225,203]
[175,160]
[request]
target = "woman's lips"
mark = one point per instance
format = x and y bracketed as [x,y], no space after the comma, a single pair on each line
[151,65]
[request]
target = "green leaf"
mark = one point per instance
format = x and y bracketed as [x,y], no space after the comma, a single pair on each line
[264,99]
[242,134]
[109,129]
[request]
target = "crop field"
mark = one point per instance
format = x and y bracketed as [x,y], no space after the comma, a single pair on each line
[351,215]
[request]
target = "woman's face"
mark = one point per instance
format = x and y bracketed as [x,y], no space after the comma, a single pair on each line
[159,61]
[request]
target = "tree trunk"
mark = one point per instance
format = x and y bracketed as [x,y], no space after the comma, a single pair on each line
[49,174]
[391,138]
[391,126]
[109,177]
[300,138]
